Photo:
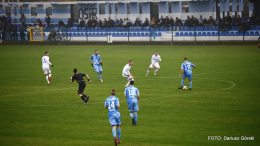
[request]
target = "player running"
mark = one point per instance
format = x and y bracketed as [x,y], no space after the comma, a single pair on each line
[187,72]
[112,104]
[96,61]
[46,67]
[126,72]
[155,63]
[132,94]
[79,78]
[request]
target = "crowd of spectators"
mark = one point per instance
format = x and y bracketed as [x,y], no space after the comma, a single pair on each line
[243,24]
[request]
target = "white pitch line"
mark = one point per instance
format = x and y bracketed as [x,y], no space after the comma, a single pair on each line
[233,85]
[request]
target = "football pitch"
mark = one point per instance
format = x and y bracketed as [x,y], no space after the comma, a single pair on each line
[224,101]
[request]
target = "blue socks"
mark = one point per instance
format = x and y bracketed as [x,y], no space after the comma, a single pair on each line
[190,84]
[135,118]
[118,133]
[99,76]
[114,132]
[182,82]
[131,115]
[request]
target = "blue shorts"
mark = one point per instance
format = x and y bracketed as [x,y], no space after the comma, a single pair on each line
[115,120]
[185,76]
[98,68]
[133,106]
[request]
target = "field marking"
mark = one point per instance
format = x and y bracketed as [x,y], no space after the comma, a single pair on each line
[233,85]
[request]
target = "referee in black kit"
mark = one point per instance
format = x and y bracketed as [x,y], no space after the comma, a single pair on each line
[79,78]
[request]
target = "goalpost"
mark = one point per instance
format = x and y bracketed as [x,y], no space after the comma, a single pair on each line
[36,34]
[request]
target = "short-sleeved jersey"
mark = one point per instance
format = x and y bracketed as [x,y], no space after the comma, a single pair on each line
[131,94]
[155,59]
[45,61]
[95,59]
[126,69]
[78,77]
[111,103]
[187,67]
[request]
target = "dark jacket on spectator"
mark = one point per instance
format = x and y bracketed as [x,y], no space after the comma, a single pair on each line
[171,22]
[21,31]
[9,28]
[82,23]
[252,20]
[89,23]
[178,22]
[15,29]
[137,23]
[211,21]
[100,24]
[3,19]
[61,23]
[95,23]
[70,23]
[146,23]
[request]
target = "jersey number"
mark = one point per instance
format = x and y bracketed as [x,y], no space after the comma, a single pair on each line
[131,93]
[43,60]
[111,107]
[187,67]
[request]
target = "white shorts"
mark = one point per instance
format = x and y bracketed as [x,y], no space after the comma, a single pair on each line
[46,69]
[127,77]
[155,65]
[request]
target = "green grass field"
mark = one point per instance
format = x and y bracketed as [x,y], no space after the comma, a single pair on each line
[224,100]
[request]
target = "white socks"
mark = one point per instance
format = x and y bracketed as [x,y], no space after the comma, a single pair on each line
[156,70]
[49,75]
[148,71]
[128,83]
[47,79]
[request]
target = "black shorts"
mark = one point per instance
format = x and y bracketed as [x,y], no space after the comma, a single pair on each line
[82,86]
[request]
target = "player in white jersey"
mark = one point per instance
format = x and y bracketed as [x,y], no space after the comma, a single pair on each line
[155,63]
[126,72]
[46,67]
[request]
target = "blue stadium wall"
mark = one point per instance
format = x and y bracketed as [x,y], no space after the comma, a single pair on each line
[90,9]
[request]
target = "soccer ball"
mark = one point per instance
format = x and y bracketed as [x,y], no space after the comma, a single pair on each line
[184,88]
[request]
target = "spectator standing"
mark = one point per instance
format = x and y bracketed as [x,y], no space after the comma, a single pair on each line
[14,34]
[9,17]
[47,18]
[3,29]
[22,33]
[28,32]
[48,22]
[23,20]
[9,31]
[52,34]
[7,21]
[3,19]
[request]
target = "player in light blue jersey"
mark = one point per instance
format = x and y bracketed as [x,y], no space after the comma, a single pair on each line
[132,94]
[187,72]
[112,104]
[96,62]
